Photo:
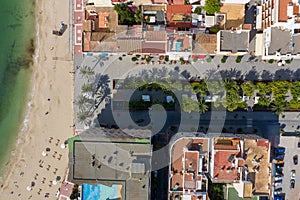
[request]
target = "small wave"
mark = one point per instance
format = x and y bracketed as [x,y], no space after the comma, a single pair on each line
[35,64]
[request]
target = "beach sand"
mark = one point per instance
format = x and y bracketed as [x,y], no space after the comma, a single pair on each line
[52,79]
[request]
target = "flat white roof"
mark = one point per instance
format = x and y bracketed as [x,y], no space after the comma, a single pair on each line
[235,1]
[210,20]
[258,17]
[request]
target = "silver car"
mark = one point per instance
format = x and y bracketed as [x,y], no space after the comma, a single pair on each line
[293,174]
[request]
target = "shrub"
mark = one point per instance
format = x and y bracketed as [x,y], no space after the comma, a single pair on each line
[208,59]
[148,60]
[294,104]
[238,60]
[212,6]
[166,58]
[288,61]
[181,59]
[223,60]
[120,58]
[214,29]
[198,10]
[271,61]
[195,59]
[134,59]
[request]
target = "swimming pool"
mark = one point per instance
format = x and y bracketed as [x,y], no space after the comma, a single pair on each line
[178,47]
[101,192]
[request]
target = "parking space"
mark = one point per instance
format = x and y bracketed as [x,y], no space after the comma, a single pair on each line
[291,149]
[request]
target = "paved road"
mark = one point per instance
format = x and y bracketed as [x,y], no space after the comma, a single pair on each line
[115,68]
[290,144]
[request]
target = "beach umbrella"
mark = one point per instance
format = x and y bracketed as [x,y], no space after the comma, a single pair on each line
[58,178]
[44,153]
[32,184]
[48,149]
[54,182]
[62,146]
[28,188]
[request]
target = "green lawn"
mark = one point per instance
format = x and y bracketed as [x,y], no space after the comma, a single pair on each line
[71,142]
[233,195]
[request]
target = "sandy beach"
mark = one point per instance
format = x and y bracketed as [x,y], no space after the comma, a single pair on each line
[51,114]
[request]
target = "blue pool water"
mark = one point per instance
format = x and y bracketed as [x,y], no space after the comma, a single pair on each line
[178,47]
[99,192]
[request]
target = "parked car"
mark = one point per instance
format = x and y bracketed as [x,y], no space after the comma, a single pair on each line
[279,171]
[292,186]
[298,144]
[279,161]
[293,174]
[277,191]
[279,157]
[278,183]
[295,159]
[280,150]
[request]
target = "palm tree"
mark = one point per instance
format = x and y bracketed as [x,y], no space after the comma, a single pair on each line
[279,105]
[231,85]
[86,87]
[82,102]
[248,88]
[202,106]
[83,117]
[86,71]
[231,101]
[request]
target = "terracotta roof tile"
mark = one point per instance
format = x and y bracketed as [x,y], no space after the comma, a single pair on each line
[282,10]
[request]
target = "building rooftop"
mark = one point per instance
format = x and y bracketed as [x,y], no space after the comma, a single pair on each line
[113,157]
[204,44]
[156,36]
[189,158]
[177,2]
[113,16]
[280,41]
[129,45]
[234,41]
[179,15]
[160,1]
[154,47]
[258,164]
[226,152]
[282,10]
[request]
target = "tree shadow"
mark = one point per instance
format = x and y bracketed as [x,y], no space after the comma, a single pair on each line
[231,74]
[296,75]
[101,89]
[283,74]
[210,74]
[266,75]
[99,60]
[251,75]
[186,74]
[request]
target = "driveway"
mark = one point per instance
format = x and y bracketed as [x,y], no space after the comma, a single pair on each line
[290,143]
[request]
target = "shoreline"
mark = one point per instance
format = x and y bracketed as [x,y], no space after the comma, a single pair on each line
[23,127]
[49,78]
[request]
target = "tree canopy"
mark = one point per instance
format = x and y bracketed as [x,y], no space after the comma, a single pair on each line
[248,88]
[212,6]
[128,15]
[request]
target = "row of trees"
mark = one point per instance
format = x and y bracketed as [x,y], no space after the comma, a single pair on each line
[227,93]
[92,94]
[273,95]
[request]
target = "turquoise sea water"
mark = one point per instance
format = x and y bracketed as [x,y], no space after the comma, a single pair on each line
[17,38]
